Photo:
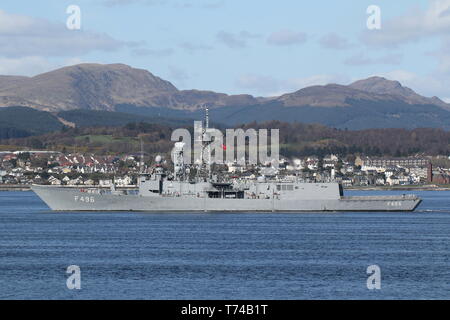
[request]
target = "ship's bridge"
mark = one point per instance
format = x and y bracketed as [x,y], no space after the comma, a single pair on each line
[224,190]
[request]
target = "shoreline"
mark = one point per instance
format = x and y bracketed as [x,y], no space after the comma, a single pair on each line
[432,187]
[14,187]
[24,187]
[401,188]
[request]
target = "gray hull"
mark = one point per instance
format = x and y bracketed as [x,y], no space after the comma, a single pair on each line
[74,199]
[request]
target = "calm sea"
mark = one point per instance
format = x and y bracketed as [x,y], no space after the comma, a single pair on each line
[224,256]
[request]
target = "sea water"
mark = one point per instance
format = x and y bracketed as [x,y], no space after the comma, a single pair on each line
[126,255]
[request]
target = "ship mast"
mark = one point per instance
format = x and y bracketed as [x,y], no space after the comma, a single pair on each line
[208,146]
[141,163]
[204,140]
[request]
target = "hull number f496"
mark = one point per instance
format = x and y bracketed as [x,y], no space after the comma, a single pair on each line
[85,199]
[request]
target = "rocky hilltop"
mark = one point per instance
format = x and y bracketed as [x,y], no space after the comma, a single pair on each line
[102,87]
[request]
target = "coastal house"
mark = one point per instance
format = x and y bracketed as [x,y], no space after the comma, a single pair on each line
[298,164]
[76,181]
[123,181]
[420,172]
[346,182]
[438,175]
[380,181]
[330,161]
[66,179]
[105,183]
[312,163]
[89,182]
[361,180]
[54,181]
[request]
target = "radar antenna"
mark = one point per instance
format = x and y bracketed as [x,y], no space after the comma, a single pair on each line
[208,141]
[141,162]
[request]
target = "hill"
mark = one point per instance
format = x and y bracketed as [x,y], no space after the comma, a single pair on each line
[370,103]
[102,87]
[18,122]
[23,122]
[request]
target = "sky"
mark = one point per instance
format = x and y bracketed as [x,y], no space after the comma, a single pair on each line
[259,47]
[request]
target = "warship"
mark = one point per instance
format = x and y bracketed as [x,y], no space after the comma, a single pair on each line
[164,191]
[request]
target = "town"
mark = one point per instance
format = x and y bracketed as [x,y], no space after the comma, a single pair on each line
[20,169]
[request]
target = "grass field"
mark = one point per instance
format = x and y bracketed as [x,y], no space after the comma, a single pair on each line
[10,148]
[104,139]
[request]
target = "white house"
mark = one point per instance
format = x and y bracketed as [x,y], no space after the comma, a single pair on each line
[89,182]
[121,182]
[330,161]
[312,163]
[298,164]
[54,181]
[105,183]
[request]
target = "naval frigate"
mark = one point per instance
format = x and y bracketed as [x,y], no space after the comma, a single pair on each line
[161,191]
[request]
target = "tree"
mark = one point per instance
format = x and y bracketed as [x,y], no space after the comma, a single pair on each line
[24,156]
[339,165]
[35,143]
[320,164]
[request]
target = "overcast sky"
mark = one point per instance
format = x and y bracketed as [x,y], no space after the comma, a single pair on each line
[259,47]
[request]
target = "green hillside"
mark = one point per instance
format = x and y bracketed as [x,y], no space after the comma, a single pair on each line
[20,122]
[93,118]
[23,122]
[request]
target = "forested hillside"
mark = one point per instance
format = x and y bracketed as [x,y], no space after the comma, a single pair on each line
[296,139]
